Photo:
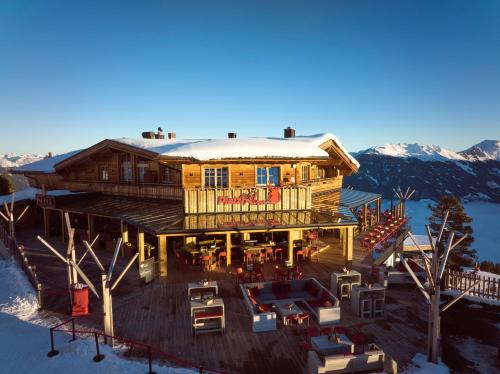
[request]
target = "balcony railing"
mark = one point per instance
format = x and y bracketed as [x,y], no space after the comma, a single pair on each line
[325,184]
[156,191]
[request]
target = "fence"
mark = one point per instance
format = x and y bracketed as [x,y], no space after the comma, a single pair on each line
[487,288]
[148,349]
[17,251]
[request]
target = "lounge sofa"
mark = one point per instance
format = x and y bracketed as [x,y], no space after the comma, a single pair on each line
[308,294]
[368,361]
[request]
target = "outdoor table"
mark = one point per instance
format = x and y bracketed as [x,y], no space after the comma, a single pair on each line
[285,308]
[326,345]
[289,266]
[204,287]
[208,315]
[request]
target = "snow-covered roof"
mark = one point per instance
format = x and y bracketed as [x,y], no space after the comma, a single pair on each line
[213,149]
[46,165]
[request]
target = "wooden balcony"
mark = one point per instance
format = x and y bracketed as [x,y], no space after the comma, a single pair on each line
[322,185]
[156,191]
[259,199]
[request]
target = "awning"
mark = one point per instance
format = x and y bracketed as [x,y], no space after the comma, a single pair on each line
[353,198]
[156,216]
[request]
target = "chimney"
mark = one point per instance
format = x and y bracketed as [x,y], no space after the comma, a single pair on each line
[171,135]
[289,132]
[148,135]
[231,135]
[160,134]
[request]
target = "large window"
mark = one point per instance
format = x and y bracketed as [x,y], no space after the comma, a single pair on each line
[142,169]
[305,173]
[216,177]
[268,175]
[103,173]
[126,171]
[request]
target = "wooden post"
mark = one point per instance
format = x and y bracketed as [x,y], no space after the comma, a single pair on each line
[162,254]
[124,230]
[107,309]
[290,246]
[46,222]
[63,225]
[228,248]
[90,226]
[365,215]
[378,208]
[349,243]
[140,245]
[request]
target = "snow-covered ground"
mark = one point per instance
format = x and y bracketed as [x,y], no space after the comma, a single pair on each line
[420,365]
[484,221]
[25,340]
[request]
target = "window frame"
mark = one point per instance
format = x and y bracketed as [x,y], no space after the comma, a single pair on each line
[101,169]
[217,175]
[307,168]
[267,175]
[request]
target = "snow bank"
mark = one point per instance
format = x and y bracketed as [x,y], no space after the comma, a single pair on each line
[25,337]
[420,365]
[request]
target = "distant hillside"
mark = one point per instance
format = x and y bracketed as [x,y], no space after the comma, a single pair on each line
[473,174]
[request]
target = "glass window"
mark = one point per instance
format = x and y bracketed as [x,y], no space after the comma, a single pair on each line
[126,171]
[305,173]
[103,173]
[216,177]
[167,175]
[268,175]
[142,169]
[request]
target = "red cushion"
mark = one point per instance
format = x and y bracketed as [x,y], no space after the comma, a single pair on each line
[208,315]
[254,302]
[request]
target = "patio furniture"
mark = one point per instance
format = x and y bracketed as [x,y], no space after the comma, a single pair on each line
[368,302]
[221,255]
[278,251]
[202,290]
[327,345]
[307,294]
[207,316]
[341,283]
[302,318]
[287,310]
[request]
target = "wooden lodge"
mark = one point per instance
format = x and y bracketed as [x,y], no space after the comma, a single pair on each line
[162,194]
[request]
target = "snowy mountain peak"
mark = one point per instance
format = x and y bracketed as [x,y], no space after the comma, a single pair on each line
[13,160]
[485,150]
[422,152]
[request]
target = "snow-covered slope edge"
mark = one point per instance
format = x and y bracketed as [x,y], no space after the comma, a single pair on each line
[25,337]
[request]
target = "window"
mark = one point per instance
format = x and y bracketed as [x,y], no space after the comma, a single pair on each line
[142,169]
[103,173]
[126,171]
[216,177]
[167,175]
[268,175]
[305,173]
[320,172]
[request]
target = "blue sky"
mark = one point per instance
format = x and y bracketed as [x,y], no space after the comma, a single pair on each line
[371,72]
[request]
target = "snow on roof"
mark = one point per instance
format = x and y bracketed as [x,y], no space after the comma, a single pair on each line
[422,241]
[47,165]
[29,193]
[210,149]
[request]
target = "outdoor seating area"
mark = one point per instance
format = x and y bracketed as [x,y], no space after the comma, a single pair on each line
[368,301]
[379,234]
[288,302]
[207,310]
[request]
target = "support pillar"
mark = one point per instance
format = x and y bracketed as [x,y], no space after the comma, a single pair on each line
[365,215]
[124,230]
[349,243]
[90,227]
[162,254]
[140,245]
[46,222]
[228,249]
[378,208]
[292,235]
[63,226]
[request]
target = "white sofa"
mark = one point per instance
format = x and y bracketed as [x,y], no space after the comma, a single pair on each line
[369,361]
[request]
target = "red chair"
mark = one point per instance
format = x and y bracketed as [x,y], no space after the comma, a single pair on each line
[278,252]
[207,262]
[221,255]
[240,276]
[291,320]
[248,256]
[326,331]
[279,274]
[303,317]
[300,252]
[269,254]
[258,275]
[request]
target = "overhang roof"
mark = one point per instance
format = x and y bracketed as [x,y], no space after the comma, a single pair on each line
[157,216]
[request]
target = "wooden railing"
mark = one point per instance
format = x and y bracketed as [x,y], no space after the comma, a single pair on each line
[487,288]
[226,200]
[156,191]
[17,251]
[322,185]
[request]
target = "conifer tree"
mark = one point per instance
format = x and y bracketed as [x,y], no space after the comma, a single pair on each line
[459,222]
[6,184]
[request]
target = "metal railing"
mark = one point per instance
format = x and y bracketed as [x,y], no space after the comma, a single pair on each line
[148,349]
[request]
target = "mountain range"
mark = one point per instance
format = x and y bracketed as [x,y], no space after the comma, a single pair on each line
[433,171]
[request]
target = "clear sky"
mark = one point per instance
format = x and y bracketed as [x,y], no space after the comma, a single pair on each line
[371,72]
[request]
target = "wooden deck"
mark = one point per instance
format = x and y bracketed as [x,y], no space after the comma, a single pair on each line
[158,314]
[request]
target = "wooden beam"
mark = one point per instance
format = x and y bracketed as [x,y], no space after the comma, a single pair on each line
[162,255]
[229,246]
[140,245]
